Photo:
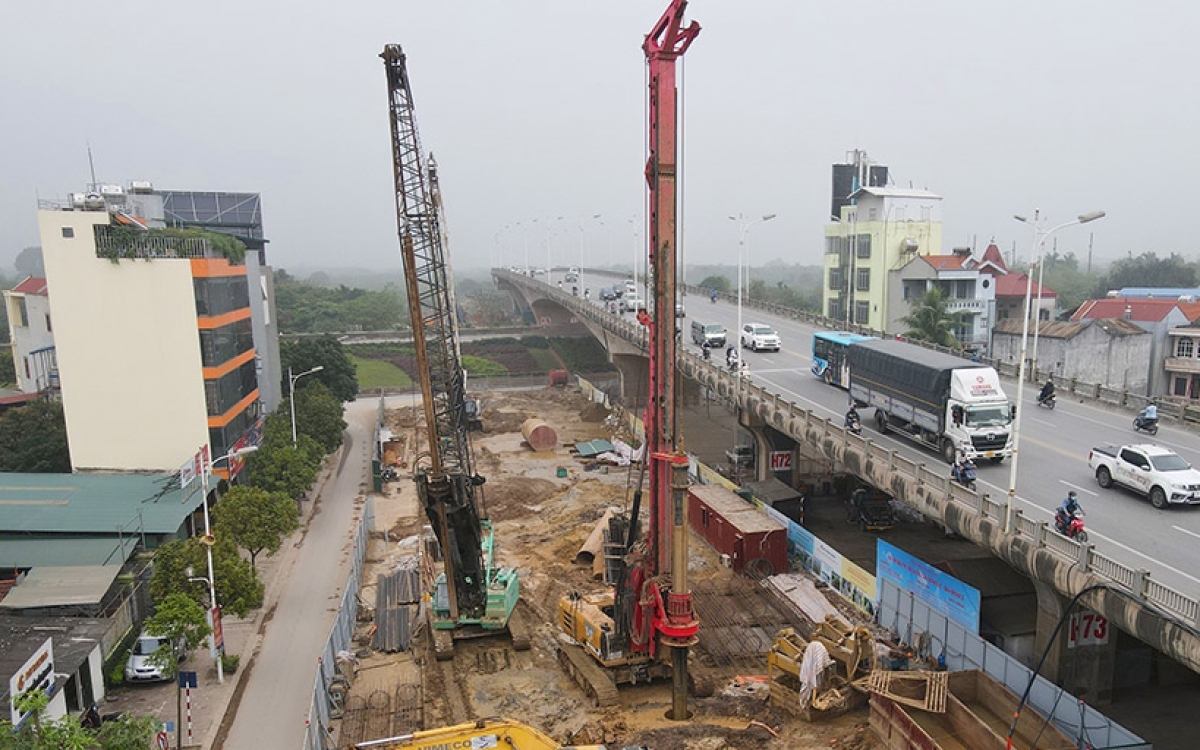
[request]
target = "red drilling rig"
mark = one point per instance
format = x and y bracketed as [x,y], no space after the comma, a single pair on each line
[642,627]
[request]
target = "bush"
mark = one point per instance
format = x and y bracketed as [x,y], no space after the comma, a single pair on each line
[535,342]
[229,662]
[582,354]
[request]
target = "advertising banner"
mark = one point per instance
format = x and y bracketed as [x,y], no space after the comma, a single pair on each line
[944,593]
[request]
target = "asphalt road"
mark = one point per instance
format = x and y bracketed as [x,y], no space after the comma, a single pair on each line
[1053,447]
[278,691]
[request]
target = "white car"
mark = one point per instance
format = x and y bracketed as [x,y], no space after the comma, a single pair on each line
[758,336]
[632,303]
[630,287]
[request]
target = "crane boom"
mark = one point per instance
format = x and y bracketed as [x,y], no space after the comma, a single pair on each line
[447,486]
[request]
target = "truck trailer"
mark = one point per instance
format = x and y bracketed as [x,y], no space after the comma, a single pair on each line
[947,403]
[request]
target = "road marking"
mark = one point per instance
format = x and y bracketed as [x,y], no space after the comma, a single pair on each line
[1043,422]
[1185,531]
[1093,493]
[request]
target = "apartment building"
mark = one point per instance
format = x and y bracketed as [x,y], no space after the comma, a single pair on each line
[31,332]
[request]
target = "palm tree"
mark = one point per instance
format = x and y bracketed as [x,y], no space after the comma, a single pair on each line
[930,321]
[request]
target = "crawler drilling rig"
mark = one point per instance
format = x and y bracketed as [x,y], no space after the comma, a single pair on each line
[472,596]
[642,627]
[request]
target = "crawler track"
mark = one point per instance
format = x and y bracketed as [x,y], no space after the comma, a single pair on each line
[588,675]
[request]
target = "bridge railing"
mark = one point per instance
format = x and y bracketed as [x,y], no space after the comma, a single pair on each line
[932,491]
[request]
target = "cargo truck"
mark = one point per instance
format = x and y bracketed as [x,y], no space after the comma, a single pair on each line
[938,400]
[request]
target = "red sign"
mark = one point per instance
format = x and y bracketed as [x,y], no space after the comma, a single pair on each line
[162,741]
[781,460]
[217,635]
[1087,629]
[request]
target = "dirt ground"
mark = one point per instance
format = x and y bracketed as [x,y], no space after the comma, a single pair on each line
[541,520]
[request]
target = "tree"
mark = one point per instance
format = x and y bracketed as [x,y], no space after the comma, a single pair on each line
[180,619]
[8,371]
[931,321]
[65,733]
[276,466]
[33,439]
[337,371]
[1148,270]
[720,283]
[238,590]
[319,415]
[29,262]
[256,520]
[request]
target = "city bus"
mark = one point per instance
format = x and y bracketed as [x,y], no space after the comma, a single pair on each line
[829,356]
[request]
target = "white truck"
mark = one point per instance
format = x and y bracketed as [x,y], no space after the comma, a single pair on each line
[1150,470]
[955,406]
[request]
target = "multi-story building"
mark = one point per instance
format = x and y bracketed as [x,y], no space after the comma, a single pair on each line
[969,293]
[1010,290]
[153,336]
[1161,318]
[882,230]
[31,332]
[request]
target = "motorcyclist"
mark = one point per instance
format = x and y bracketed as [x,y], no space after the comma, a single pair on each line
[963,470]
[730,356]
[853,422]
[1047,391]
[706,350]
[1148,415]
[713,296]
[1070,506]
[587,293]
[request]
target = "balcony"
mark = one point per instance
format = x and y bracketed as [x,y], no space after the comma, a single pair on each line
[1182,364]
[977,306]
[116,243]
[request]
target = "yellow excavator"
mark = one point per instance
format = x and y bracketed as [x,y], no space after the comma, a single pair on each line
[477,735]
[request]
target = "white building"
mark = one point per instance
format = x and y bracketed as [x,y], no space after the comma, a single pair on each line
[31,332]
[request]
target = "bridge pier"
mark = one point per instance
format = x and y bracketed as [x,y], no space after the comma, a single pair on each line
[1082,659]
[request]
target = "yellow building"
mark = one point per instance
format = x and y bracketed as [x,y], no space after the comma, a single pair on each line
[881,230]
[155,352]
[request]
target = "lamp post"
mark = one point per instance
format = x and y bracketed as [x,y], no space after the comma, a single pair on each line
[744,273]
[1035,258]
[209,540]
[292,394]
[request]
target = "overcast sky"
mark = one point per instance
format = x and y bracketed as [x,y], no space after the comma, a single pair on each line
[535,110]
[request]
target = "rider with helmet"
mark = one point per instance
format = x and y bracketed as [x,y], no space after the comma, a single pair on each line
[1070,506]
[1047,391]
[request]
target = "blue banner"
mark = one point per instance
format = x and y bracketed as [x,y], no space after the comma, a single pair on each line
[944,593]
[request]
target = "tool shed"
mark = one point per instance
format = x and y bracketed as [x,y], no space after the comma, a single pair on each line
[755,544]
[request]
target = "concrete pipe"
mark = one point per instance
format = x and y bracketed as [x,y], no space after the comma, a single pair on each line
[539,435]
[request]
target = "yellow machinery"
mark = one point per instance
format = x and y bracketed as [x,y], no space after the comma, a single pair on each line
[484,733]
[851,653]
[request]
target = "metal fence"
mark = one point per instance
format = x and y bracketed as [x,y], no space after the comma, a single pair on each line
[317,735]
[909,617]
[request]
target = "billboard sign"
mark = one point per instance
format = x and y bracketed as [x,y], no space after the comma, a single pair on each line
[944,593]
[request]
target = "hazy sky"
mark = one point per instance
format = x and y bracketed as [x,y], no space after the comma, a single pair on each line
[535,110]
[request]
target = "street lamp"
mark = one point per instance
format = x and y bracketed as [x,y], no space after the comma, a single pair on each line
[1036,258]
[744,273]
[292,394]
[208,541]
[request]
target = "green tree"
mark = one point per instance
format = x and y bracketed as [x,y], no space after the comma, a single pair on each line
[65,733]
[326,352]
[180,619]
[8,370]
[720,283]
[931,321]
[256,520]
[1148,270]
[319,415]
[33,439]
[238,589]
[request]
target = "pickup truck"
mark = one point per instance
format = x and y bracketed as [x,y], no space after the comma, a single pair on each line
[1149,470]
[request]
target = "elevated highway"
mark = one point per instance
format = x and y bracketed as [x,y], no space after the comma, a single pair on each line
[1141,560]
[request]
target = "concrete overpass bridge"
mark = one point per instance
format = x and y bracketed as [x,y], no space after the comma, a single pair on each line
[1153,612]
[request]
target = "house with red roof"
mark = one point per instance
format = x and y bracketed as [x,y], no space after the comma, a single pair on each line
[1158,317]
[967,291]
[31,333]
[1011,288]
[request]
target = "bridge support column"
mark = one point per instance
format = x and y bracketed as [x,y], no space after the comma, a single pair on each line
[1082,659]
[635,379]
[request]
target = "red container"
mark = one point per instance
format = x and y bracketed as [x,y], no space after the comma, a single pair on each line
[736,528]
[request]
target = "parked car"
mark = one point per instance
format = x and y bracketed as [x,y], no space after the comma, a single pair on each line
[140,668]
[758,336]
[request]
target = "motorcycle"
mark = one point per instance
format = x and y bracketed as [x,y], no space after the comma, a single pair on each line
[1141,424]
[1047,402]
[1072,527]
[707,351]
[964,473]
[854,424]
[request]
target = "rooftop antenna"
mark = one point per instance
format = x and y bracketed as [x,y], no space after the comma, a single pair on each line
[92,167]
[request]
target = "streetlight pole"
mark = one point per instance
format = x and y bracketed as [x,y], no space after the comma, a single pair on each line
[1036,258]
[292,394]
[209,540]
[744,273]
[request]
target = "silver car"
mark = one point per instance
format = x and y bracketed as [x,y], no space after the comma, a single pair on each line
[760,336]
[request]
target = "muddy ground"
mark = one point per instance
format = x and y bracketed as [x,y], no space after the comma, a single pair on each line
[541,520]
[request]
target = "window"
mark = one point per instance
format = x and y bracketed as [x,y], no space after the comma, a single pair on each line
[835,309]
[1183,348]
[862,280]
[1179,387]
[863,247]
[49,328]
[22,313]
[831,245]
[68,232]
[862,312]
[926,213]
[835,278]
[873,214]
